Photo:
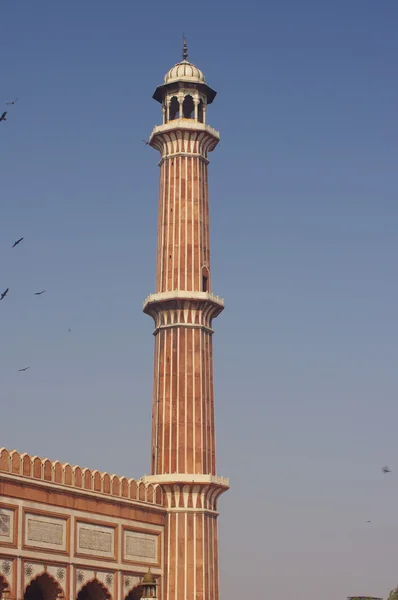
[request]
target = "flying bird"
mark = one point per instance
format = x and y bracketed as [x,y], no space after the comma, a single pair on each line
[368,521]
[24,369]
[17,242]
[3,116]
[4,294]
[69,330]
[12,101]
[145,142]
[40,293]
[386,469]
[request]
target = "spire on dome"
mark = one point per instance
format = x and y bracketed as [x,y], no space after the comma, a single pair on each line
[184,48]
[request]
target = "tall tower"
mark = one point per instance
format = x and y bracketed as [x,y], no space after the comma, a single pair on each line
[183,307]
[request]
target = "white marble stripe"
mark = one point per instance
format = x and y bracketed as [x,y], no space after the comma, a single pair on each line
[202,216]
[205,405]
[194,556]
[186,402]
[169,517]
[185,201]
[186,555]
[171,332]
[164,398]
[205,595]
[156,393]
[179,222]
[211,402]
[209,564]
[176,544]
[207,216]
[192,201]
[214,559]
[173,219]
[161,230]
[177,400]
[201,397]
[193,402]
[166,261]
[199,237]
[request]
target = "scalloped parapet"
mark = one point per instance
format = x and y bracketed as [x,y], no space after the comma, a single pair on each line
[70,476]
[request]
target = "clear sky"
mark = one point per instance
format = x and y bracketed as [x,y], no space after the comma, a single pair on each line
[304,219]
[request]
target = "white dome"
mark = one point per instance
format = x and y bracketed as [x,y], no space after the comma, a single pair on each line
[184,71]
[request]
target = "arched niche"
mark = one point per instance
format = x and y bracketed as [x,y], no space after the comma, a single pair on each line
[205,280]
[94,590]
[135,593]
[43,587]
[4,587]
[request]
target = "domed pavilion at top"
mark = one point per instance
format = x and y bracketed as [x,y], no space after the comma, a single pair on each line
[184,93]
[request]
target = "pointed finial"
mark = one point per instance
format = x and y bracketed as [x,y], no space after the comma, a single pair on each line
[184,48]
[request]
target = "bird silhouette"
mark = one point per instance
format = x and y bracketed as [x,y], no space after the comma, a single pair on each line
[3,116]
[368,521]
[386,469]
[146,142]
[69,330]
[4,294]
[17,242]
[40,293]
[24,369]
[12,101]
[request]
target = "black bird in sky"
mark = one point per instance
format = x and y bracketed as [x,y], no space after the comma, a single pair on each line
[12,101]
[24,369]
[4,294]
[145,142]
[3,116]
[368,521]
[386,469]
[40,293]
[69,330]
[17,242]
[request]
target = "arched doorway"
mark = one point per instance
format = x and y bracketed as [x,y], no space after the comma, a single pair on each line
[43,587]
[93,590]
[135,593]
[4,588]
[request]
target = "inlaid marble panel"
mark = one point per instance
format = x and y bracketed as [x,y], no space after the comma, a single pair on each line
[96,540]
[6,525]
[42,531]
[140,547]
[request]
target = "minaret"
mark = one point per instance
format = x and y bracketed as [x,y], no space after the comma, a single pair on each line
[183,457]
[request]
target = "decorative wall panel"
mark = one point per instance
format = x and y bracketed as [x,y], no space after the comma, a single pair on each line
[141,547]
[7,524]
[44,531]
[95,540]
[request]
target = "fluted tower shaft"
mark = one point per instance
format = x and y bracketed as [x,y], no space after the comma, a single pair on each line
[183,432]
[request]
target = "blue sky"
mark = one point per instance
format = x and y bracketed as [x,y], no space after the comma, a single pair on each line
[304,219]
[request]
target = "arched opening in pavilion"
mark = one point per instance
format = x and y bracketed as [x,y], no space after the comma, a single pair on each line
[174,109]
[200,111]
[188,107]
[44,587]
[94,590]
